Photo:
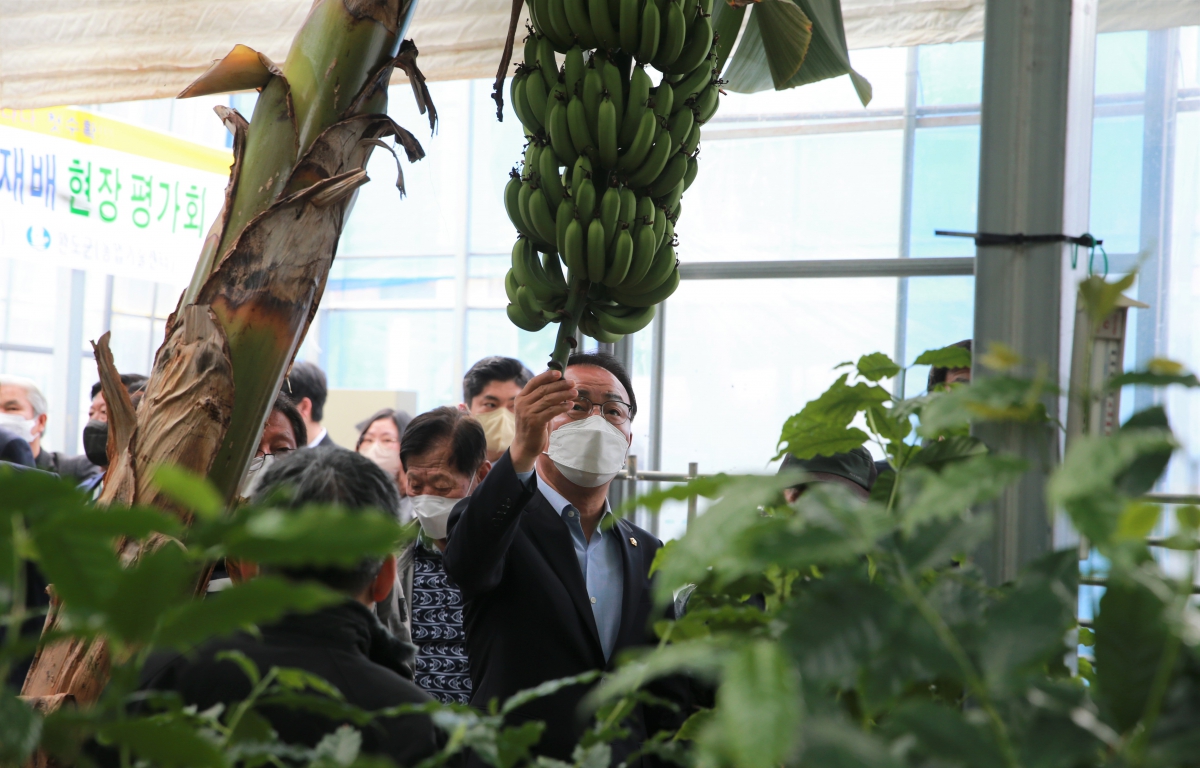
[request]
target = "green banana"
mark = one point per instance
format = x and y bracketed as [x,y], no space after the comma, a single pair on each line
[655,161]
[511,285]
[577,121]
[690,9]
[673,35]
[610,209]
[523,207]
[556,94]
[706,7]
[562,219]
[529,303]
[610,76]
[622,249]
[650,298]
[552,268]
[699,44]
[593,89]
[512,204]
[606,132]
[527,271]
[556,18]
[520,105]
[660,228]
[530,170]
[671,197]
[580,170]
[697,79]
[629,204]
[692,169]
[573,68]
[629,18]
[581,25]
[692,141]
[585,202]
[680,125]
[637,150]
[551,181]
[591,327]
[517,317]
[664,99]
[596,252]
[560,133]
[624,324]
[660,270]
[531,50]
[539,214]
[676,212]
[602,25]
[644,211]
[535,94]
[648,44]
[707,102]
[671,175]
[546,62]
[573,250]
[643,254]
[635,105]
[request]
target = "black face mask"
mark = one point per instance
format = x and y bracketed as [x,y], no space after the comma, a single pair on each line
[95,442]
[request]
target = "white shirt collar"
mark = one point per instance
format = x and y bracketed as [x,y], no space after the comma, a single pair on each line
[320,436]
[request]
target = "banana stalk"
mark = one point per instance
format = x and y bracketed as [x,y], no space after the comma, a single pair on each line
[260,274]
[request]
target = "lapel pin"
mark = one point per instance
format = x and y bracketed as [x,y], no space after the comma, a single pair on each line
[633,541]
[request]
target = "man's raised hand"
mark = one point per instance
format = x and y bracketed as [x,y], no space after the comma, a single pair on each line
[545,397]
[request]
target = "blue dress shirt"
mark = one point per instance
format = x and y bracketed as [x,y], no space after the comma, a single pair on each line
[599,559]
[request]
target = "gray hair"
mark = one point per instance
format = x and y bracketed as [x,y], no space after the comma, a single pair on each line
[36,398]
[331,475]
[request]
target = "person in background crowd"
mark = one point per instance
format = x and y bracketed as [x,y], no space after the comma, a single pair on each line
[490,392]
[305,386]
[555,585]
[14,450]
[944,377]
[23,410]
[444,457]
[379,440]
[344,644]
[98,410]
[855,470]
[95,432]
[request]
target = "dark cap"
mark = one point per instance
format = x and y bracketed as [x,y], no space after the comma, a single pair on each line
[857,466]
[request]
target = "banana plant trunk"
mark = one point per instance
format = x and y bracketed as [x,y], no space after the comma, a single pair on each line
[259,278]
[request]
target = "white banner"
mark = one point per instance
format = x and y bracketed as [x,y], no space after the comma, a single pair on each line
[89,192]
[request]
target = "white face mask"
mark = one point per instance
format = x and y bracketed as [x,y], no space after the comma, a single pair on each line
[433,512]
[385,458]
[589,453]
[23,427]
[500,426]
[253,476]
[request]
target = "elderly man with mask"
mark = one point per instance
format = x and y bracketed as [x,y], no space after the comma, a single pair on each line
[23,411]
[444,459]
[554,585]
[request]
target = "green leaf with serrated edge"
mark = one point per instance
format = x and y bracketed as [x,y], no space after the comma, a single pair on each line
[521,698]
[162,743]
[248,667]
[1087,637]
[758,710]
[876,366]
[315,536]
[1137,520]
[1099,297]
[991,398]
[1141,476]
[159,581]
[823,440]
[833,742]
[513,743]
[20,729]
[298,680]
[709,487]
[696,722]
[262,600]
[835,625]
[1131,632]
[946,733]
[190,491]
[929,495]
[935,545]
[953,356]
[1146,378]
[252,727]
[1085,483]
[1188,517]
[701,658]
[339,748]
[938,453]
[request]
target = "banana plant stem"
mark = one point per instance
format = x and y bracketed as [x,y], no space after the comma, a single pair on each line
[564,344]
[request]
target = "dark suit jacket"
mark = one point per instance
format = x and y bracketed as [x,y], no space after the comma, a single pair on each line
[326,441]
[77,468]
[527,614]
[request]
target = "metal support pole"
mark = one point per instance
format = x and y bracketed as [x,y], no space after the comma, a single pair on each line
[72,431]
[911,84]
[1018,289]
[657,381]
[629,489]
[693,470]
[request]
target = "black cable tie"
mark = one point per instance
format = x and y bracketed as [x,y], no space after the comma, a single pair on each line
[991,238]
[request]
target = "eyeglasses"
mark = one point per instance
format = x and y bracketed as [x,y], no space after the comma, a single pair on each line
[386,440]
[614,412]
[257,462]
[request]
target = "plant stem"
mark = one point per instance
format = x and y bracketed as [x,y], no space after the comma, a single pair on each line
[564,344]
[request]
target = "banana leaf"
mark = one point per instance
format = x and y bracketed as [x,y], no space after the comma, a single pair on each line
[785,44]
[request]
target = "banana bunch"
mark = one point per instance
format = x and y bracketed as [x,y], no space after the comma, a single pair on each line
[608,158]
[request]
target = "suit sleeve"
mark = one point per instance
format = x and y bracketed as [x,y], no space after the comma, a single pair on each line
[481,529]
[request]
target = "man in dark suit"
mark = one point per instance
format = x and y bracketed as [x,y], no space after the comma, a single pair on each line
[305,384]
[554,585]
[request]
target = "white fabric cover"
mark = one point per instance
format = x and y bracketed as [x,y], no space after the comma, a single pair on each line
[56,52]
